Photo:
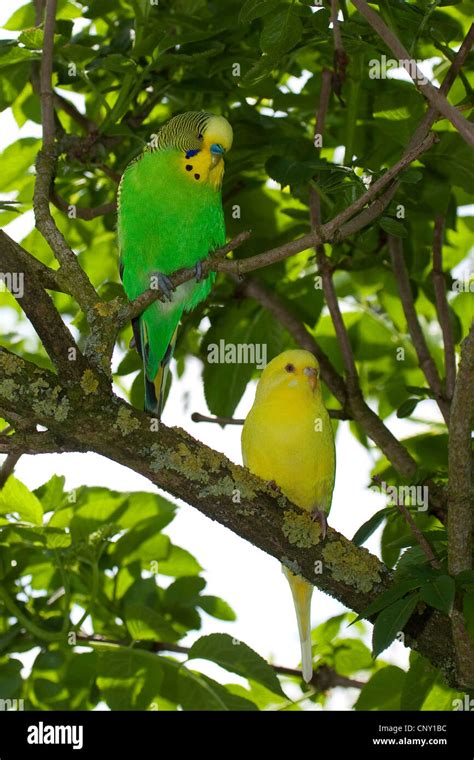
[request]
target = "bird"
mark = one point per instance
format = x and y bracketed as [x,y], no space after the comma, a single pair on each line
[288,441]
[169,216]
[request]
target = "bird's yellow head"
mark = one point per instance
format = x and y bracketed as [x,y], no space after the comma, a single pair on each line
[289,373]
[202,140]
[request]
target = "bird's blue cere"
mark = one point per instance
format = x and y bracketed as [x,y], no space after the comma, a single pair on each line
[217,148]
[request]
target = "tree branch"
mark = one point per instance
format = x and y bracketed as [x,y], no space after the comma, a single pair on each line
[335,414]
[435,96]
[324,677]
[8,466]
[188,470]
[82,213]
[78,281]
[460,520]
[427,364]
[442,309]
[40,310]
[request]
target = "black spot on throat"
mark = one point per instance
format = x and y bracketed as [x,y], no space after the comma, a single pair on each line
[197,176]
[189,168]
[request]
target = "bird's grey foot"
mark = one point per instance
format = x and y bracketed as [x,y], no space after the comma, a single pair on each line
[321,517]
[198,271]
[132,343]
[160,280]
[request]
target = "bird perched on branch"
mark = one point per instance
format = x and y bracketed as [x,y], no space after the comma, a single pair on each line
[287,440]
[170,216]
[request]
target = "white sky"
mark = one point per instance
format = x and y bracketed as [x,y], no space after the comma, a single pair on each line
[245,577]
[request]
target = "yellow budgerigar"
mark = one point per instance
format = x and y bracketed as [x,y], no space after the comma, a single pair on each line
[288,440]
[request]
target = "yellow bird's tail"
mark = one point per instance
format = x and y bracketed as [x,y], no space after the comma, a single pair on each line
[302,592]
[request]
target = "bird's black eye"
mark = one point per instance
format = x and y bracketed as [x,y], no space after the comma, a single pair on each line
[290,368]
[199,136]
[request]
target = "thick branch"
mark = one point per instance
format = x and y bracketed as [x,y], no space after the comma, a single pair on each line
[460,520]
[435,96]
[188,470]
[39,308]
[427,364]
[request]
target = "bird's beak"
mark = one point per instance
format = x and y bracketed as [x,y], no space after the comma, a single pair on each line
[312,375]
[217,151]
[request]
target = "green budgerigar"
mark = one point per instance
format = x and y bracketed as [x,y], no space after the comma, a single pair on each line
[170,216]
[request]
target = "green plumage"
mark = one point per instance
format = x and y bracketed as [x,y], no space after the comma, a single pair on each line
[166,221]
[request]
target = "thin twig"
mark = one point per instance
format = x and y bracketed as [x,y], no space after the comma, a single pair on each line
[324,677]
[427,364]
[79,212]
[340,56]
[427,550]
[435,96]
[324,266]
[78,281]
[335,414]
[197,417]
[442,309]
[139,304]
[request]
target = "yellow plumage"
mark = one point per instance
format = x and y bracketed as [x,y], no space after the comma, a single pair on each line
[288,439]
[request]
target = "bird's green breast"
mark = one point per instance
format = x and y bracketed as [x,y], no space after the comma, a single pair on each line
[167,219]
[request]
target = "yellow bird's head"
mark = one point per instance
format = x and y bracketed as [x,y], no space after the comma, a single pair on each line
[290,372]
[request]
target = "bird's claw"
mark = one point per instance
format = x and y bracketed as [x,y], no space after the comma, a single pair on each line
[198,271]
[320,516]
[274,486]
[164,284]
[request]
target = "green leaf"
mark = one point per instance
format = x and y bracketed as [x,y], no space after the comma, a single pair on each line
[51,493]
[366,530]
[439,593]
[396,591]
[253,9]
[237,657]
[419,681]
[179,562]
[408,406]
[15,497]
[289,171]
[391,621]
[24,17]
[411,176]
[383,691]
[145,623]
[281,32]
[128,679]
[13,56]
[393,227]
[199,692]
[217,607]
[15,160]
[10,678]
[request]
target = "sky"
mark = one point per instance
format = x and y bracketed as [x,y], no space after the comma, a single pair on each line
[249,580]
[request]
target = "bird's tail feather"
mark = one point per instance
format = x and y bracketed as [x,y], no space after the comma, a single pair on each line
[159,383]
[302,593]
